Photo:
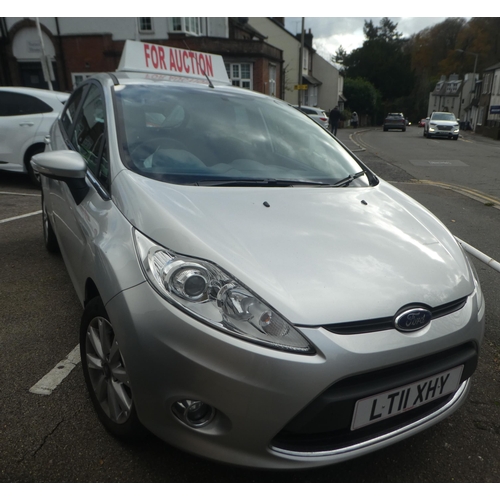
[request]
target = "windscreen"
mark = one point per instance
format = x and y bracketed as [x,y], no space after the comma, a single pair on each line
[197,135]
[450,117]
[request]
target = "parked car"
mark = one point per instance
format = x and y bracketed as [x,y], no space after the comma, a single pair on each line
[317,114]
[395,121]
[442,124]
[26,115]
[421,123]
[251,291]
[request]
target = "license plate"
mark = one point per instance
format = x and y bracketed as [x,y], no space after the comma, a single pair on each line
[391,403]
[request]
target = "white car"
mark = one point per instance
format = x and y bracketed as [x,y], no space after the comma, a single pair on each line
[26,115]
[441,124]
[317,114]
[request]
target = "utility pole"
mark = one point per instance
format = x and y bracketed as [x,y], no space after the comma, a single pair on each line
[301,53]
[46,62]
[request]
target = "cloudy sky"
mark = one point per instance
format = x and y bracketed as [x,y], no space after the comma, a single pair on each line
[332,32]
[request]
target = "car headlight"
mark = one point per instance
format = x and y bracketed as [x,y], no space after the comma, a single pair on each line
[205,291]
[477,284]
[479,291]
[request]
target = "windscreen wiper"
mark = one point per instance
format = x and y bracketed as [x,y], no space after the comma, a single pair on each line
[345,182]
[262,182]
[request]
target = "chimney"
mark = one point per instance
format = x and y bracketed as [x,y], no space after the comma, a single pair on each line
[308,39]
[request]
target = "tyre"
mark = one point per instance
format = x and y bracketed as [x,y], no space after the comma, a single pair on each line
[385,130]
[49,237]
[34,177]
[455,138]
[106,375]
[404,130]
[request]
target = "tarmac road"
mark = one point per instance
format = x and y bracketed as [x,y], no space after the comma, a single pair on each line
[57,438]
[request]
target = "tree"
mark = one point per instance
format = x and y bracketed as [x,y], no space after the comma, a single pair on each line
[361,96]
[383,60]
[340,55]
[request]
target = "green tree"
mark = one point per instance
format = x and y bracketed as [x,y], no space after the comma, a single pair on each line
[384,60]
[362,97]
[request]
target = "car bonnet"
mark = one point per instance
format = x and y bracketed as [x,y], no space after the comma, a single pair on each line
[318,255]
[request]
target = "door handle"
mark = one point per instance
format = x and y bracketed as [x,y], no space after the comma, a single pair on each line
[26,124]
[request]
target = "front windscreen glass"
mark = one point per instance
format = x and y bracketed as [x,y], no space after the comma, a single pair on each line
[192,134]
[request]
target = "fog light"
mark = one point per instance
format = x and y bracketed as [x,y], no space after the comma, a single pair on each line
[193,413]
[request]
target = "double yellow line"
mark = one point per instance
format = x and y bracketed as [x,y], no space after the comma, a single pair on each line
[471,193]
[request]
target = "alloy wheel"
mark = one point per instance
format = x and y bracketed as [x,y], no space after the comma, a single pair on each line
[107,371]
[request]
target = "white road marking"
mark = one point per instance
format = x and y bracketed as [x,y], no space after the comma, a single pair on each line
[49,382]
[20,194]
[38,212]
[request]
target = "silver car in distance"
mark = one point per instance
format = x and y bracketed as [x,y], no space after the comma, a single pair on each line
[252,292]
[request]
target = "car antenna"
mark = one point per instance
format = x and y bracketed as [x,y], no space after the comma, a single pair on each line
[211,85]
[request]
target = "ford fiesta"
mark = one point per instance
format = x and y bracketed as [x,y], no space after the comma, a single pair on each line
[252,292]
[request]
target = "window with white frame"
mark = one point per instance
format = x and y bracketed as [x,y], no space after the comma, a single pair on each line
[487,84]
[272,79]
[480,116]
[190,25]
[145,25]
[240,74]
[78,78]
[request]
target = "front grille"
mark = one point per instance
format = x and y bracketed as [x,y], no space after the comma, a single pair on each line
[387,323]
[324,425]
[444,127]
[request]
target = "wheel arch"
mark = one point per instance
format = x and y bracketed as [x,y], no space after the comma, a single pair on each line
[91,291]
[30,151]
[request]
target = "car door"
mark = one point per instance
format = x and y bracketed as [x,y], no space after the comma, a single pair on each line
[79,222]
[20,117]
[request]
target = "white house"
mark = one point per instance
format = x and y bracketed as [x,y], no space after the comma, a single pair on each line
[324,83]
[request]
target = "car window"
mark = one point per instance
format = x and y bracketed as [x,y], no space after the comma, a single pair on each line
[69,113]
[15,104]
[444,116]
[88,135]
[190,134]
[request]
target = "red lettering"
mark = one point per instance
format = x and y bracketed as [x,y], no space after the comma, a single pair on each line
[194,67]
[184,64]
[172,61]
[178,60]
[161,53]
[146,54]
[154,56]
[201,62]
[210,69]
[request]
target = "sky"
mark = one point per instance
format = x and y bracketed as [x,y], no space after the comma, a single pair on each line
[329,33]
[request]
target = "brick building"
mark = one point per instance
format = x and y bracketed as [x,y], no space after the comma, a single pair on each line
[79,47]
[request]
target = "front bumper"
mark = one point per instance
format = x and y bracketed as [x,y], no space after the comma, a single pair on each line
[258,391]
[450,134]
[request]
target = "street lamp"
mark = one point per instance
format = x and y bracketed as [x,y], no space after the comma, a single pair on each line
[475,61]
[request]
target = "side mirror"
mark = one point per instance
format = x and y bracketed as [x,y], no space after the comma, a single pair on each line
[60,165]
[64,166]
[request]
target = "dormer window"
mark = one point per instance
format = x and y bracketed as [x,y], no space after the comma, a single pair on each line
[146,25]
[188,25]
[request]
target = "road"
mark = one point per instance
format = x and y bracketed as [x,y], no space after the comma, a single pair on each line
[57,438]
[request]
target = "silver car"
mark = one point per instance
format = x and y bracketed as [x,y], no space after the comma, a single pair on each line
[317,114]
[252,292]
[441,124]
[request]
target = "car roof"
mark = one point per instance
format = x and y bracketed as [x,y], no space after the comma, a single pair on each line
[37,92]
